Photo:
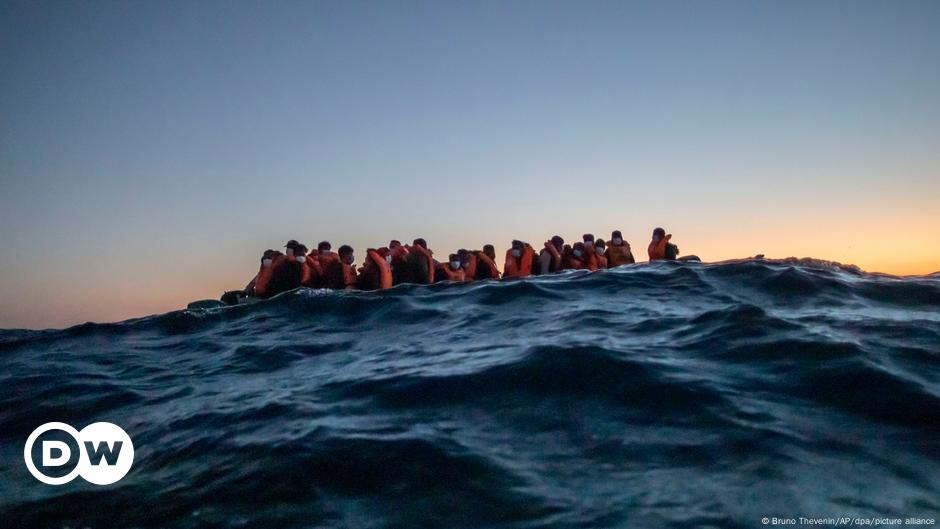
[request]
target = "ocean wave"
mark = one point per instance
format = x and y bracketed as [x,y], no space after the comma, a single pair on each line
[664,395]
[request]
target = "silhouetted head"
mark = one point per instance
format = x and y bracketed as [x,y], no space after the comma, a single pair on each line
[394,243]
[517,248]
[489,251]
[268,256]
[600,246]
[324,246]
[300,253]
[420,242]
[291,244]
[346,254]
[658,234]
[578,249]
[616,239]
[558,242]
[588,237]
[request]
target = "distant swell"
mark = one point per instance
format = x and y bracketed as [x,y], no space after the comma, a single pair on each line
[666,395]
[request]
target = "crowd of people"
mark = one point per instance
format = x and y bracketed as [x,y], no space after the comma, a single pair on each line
[400,263]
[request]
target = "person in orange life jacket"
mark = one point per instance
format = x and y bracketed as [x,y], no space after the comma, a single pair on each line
[452,270]
[590,256]
[312,269]
[324,253]
[618,251]
[550,256]
[478,265]
[660,248]
[468,264]
[575,258]
[398,256]
[519,260]
[420,263]
[490,251]
[600,250]
[258,285]
[376,271]
[289,270]
[340,273]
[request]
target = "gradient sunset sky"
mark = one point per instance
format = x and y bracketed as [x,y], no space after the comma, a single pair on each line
[149,151]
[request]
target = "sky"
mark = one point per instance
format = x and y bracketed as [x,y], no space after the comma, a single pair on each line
[150,151]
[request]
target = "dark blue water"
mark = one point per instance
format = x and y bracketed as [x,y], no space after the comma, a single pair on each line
[648,396]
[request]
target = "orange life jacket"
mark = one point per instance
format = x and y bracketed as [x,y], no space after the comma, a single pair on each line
[619,255]
[264,277]
[480,266]
[286,274]
[657,250]
[601,260]
[590,259]
[521,266]
[376,272]
[486,262]
[339,275]
[453,275]
[573,262]
[555,264]
[313,273]
[430,262]
[400,271]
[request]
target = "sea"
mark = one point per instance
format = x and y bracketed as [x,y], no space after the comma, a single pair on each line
[678,395]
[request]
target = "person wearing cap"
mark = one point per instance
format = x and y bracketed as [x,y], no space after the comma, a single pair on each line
[618,251]
[659,247]
[340,273]
[550,256]
[289,247]
[519,260]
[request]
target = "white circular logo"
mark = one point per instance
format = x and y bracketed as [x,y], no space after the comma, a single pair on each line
[105,453]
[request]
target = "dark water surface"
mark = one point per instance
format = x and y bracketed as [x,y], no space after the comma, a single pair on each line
[648,396]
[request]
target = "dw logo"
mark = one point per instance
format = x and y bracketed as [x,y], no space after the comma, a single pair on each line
[102,453]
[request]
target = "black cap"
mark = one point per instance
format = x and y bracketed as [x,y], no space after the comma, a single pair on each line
[291,244]
[616,234]
[517,244]
[300,248]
